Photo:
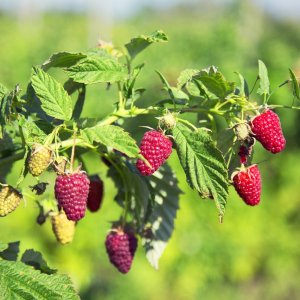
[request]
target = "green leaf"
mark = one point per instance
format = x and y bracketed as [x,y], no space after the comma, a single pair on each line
[3,91]
[138,44]
[244,88]
[19,281]
[264,83]
[79,103]
[32,131]
[153,201]
[54,99]
[62,60]
[160,221]
[11,252]
[138,194]
[95,69]
[185,77]
[215,82]
[112,136]
[203,164]
[295,83]
[35,259]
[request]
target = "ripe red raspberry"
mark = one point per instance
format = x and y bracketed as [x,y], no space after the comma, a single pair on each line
[266,129]
[121,247]
[247,183]
[95,194]
[71,192]
[156,148]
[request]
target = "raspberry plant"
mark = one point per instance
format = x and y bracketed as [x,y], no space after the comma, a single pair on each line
[45,130]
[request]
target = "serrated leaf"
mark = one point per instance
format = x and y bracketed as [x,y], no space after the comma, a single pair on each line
[62,60]
[295,84]
[112,136]
[19,281]
[11,252]
[215,82]
[138,193]
[264,83]
[95,69]
[54,99]
[203,164]
[35,259]
[153,203]
[185,77]
[165,192]
[32,132]
[138,44]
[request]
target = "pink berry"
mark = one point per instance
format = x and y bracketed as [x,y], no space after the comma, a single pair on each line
[95,197]
[121,247]
[71,192]
[266,128]
[156,148]
[247,183]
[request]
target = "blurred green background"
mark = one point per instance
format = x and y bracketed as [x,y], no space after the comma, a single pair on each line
[255,253]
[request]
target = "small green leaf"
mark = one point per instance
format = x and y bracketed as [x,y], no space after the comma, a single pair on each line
[3,91]
[62,60]
[11,252]
[35,259]
[54,99]
[185,77]
[244,88]
[264,83]
[215,82]
[295,83]
[203,164]
[19,281]
[95,69]
[138,44]
[112,136]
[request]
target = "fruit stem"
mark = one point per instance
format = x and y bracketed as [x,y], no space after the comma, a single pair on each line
[73,147]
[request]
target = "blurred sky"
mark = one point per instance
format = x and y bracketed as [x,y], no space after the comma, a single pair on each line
[126,8]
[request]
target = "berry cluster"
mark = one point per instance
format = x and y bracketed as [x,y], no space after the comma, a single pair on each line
[266,129]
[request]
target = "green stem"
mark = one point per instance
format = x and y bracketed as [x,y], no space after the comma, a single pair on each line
[183,121]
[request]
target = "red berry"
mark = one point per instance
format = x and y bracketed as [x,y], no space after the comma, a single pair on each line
[266,129]
[121,247]
[95,195]
[156,148]
[71,192]
[247,183]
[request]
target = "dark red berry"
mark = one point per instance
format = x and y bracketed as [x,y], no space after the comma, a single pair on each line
[95,195]
[267,130]
[243,153]
[71,192]
[156,148]
[121,247]
[247,183]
